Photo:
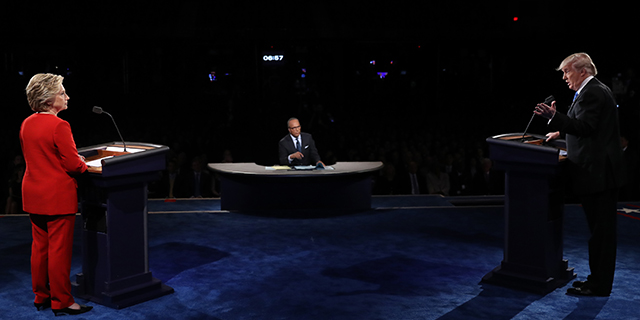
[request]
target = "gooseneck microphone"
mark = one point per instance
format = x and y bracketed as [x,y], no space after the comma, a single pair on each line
[99,110]
[548,100]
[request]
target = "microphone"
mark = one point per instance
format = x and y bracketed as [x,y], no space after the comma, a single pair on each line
[99,110]
[548,100]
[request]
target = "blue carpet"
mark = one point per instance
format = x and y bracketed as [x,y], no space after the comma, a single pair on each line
[410,258]
[213,204]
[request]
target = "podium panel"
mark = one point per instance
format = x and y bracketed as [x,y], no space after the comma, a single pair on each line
[113,203]
[534,205]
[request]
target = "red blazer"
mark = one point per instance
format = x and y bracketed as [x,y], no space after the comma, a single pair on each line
[51,157]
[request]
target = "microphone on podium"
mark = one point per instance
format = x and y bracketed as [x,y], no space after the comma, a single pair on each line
[99,110]
[548,100]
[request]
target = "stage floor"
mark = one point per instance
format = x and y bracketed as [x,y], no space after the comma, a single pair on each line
[410,257]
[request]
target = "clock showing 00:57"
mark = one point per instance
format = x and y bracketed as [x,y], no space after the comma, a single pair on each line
[273,57]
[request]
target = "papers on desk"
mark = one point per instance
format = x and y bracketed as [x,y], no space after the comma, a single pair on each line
[120,149]
[563,153]
[277,168]
[298,168]
[97,162]
[313,167]
[304,167]
[111,150]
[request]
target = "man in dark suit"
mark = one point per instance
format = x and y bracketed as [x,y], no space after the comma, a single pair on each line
[172,183]
[631,189]
[412,180]
[594,163]
[298,148]
[198,182]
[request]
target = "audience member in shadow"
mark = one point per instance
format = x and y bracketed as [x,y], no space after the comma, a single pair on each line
[387,183]
[630,191]
[172,183]
[473,173]
[458,179]
[199,182]
[488,181]
[412,181]
[437,180]
[14,200]
[17,161]
[227,157]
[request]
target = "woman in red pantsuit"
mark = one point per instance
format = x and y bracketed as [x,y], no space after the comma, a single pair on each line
[49,193]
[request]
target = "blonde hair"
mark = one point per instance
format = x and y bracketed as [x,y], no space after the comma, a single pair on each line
[579,61]
[41,90]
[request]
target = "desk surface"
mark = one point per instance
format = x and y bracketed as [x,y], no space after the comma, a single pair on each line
[340,168]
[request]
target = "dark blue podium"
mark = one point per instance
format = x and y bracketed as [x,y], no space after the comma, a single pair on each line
[113,203]
[533,211]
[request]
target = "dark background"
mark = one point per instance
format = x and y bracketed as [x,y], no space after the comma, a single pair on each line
[461,71]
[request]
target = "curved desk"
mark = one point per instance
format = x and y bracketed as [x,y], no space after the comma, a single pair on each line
[251,187]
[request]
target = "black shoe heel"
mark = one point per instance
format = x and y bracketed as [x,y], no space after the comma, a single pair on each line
[42,306]
[70,312]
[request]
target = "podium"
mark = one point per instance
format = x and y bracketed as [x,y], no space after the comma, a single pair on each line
[533,212]
[113,203]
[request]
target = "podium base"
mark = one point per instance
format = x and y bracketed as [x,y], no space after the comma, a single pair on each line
[122,297]
[525,282]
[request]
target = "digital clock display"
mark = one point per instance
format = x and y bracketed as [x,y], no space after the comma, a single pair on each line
[273,57]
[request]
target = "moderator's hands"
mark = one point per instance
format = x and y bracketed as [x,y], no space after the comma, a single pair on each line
[297,155]
[545,110]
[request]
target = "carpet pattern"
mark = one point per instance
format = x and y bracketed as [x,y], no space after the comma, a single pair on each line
[420,260]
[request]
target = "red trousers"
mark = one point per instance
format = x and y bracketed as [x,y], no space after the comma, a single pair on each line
[51,258]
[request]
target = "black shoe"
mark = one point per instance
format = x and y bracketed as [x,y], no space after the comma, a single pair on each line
[42,306]
[70,312]
[579,284]
[587,292]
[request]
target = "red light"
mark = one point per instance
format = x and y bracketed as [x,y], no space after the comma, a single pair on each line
[515,18]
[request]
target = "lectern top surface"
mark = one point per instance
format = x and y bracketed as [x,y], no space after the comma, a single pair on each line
[138,157]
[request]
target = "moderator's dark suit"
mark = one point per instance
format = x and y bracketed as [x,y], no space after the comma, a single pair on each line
[309,150]
[595,168]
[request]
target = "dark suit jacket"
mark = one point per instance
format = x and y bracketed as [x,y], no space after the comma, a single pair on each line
[286,147]
[593,139]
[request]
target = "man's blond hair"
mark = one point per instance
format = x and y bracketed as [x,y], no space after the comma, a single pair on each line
[579,61]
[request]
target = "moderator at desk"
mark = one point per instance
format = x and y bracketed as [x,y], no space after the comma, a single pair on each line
[251,187]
